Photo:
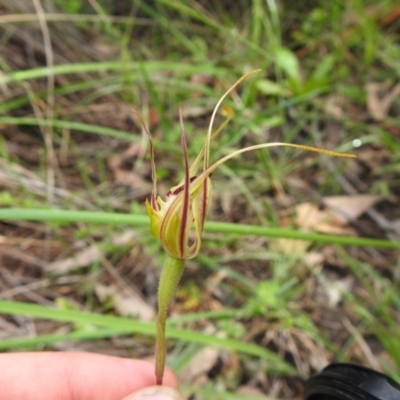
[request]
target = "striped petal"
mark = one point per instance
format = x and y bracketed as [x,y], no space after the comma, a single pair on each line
[178,222]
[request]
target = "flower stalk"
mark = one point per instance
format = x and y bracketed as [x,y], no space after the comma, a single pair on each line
[170,276]
[178,221]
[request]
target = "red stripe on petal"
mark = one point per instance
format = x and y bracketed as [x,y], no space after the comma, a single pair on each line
[153,201]
[185,224]
[204,204]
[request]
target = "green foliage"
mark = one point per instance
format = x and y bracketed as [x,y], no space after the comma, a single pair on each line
[70,6]
[316,58]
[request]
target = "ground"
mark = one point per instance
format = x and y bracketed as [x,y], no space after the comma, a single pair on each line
[258,311]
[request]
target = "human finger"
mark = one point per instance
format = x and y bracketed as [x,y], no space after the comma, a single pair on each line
[155,393]
[73,376]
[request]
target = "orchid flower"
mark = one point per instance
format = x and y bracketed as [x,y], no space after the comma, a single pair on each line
[178,221]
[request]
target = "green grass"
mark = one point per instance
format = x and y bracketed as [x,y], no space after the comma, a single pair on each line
[28,214]
[122,326]
[316,60]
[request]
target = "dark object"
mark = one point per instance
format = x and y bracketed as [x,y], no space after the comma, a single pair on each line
[350,382]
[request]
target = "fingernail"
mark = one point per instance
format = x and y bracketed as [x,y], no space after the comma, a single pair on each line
[156,393]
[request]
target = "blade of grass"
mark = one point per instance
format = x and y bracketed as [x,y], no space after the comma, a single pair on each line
[112,81]
[24,18]
[43,340]
[8,344]
[33,310]
[9,214]
[79,126]
[77,68]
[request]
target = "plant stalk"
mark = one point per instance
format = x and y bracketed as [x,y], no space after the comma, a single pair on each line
[170,276]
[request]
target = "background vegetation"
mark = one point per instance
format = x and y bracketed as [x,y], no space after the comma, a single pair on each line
[291,276]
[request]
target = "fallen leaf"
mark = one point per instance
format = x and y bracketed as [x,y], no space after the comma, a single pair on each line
[313,258]
[200,364]
[81,259]
[380,98]
[396,226]
[194,112]
[247,390]
[349,208]
[122,167]
[88,255]
[333,290]
[334,106]
[310,217]
[335,217]
[291,247]
[126,303]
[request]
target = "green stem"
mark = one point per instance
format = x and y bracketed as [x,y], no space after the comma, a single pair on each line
[31,214]
[170,275]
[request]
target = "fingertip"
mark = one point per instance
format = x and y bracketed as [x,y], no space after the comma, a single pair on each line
[75,375]
[170,379]
[155,393]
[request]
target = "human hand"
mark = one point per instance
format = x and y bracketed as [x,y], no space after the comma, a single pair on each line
[80,376]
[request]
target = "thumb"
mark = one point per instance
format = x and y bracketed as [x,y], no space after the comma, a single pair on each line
[155,393]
